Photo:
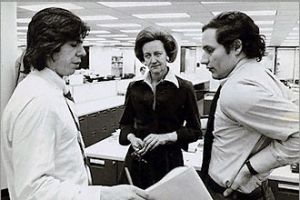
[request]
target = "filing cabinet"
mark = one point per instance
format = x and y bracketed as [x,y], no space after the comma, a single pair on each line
[99,125]
[284,190]
[105,172]
[201,89]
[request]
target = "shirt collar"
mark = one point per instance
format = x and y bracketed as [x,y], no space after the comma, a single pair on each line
[239,65]
[53,78]
[170,77]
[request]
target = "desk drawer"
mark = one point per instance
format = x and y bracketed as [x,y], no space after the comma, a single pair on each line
[104,172]
[284,190]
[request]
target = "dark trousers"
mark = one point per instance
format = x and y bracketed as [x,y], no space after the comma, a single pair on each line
[263,192]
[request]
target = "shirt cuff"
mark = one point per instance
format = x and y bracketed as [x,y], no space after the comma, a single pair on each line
[90,192]
[264,161]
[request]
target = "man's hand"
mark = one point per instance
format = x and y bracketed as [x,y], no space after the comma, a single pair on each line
[243,178]
[124,192]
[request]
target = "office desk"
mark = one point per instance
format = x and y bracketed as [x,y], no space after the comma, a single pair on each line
[109,150]
[100,117]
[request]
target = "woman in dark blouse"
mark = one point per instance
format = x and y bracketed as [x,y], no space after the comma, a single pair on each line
[161,115]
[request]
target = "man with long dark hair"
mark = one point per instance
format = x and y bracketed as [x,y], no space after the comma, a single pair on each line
[41,144]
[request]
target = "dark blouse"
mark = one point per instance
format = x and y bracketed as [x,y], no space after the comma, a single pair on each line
[175,110]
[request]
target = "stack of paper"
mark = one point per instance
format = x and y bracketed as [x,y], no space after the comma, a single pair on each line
[179,184]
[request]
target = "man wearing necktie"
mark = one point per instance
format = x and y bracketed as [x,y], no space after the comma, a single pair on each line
[254,120]
[41,143]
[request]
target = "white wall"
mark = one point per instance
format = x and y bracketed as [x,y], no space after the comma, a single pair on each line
[100,59]
[296,68]
[269,60]
[286,63]
[128,59]
[9,54]
[175,66]
[190,60]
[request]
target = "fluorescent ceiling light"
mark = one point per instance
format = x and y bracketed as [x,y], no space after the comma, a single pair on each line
[266,34]
[266,29]
[86,43]
[119,25]
[68,6]
[97,17]
[93,39]
[193,34]
[22,27]
[126,43]
[130,31]
[21,33]
[133,4]
[292,38]
[23,20]
[161,15]
[215,2]
[98,32]
[186,30]
[180,24]
[108,41]
[96,44]
[286,40]
[192,43]
[197,38]
[124,38]
[263,22]
[253,13]
[261,12]
[290,43]
[113,35]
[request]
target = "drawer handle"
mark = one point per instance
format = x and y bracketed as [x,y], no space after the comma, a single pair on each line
[96,162]
[288,186]
[93,115]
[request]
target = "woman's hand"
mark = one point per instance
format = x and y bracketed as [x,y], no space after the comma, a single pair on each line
[136,143]
[154,140]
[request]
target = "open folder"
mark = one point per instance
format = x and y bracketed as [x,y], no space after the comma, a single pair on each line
[180,183]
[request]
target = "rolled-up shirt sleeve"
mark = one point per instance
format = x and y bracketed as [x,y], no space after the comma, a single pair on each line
[274,116]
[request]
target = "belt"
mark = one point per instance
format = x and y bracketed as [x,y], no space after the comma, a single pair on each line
[255,194]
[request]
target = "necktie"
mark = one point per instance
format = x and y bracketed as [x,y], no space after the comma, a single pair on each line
[208,137]
[79,138]
[68,95]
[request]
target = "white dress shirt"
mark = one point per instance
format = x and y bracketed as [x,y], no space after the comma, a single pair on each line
[41,154]
[255,119]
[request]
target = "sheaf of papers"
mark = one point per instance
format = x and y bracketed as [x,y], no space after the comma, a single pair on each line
[180,183]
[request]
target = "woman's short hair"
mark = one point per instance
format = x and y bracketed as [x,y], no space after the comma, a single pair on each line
[237,25]
[150,34]
[48,30]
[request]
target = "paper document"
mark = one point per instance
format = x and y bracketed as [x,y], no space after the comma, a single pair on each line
[179,184]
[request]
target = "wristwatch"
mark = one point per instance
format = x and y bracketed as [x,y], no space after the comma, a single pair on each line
[251,170]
